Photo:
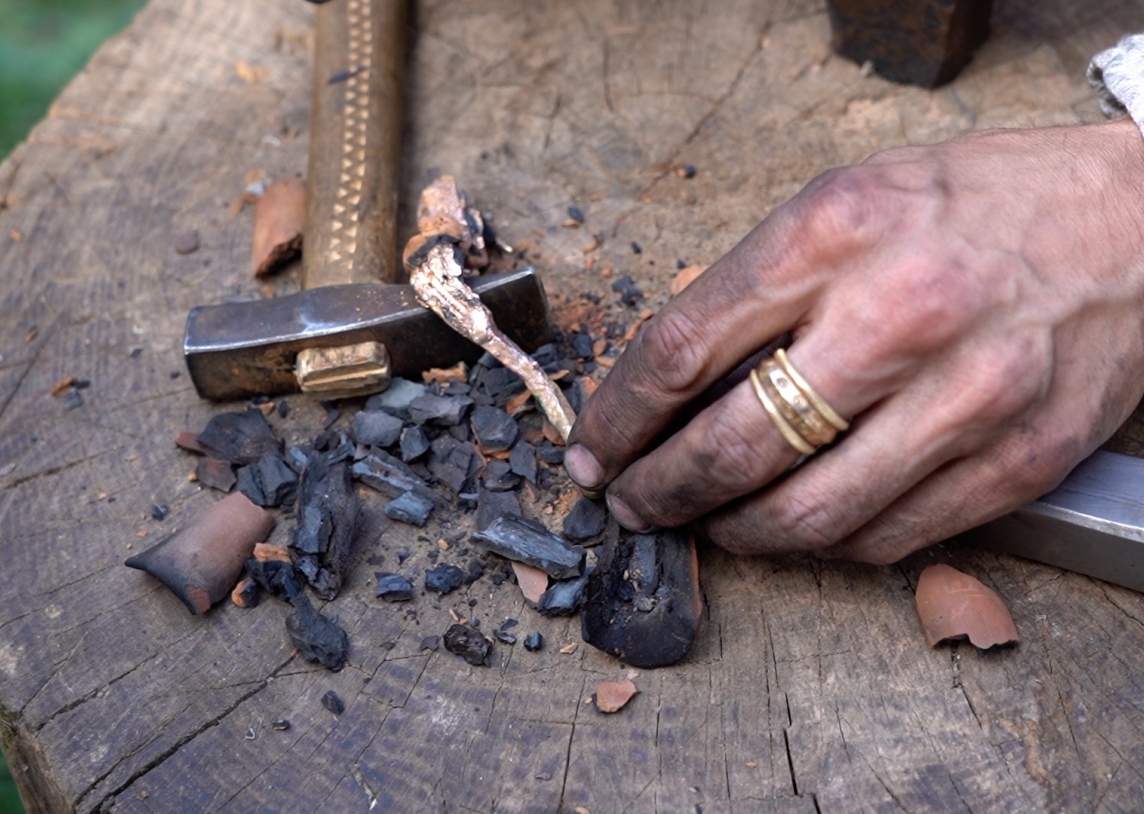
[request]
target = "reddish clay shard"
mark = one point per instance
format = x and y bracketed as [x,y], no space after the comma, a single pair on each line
[279,219]
[953,605]
[612,696]
[202,562]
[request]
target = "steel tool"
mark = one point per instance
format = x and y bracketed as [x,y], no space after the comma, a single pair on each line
[353,325]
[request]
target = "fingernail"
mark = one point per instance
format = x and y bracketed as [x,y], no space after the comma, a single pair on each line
[583,467]
[626,517]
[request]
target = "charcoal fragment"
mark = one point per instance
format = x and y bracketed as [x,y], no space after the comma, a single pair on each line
[396,398]
[495,385]
[278,481]
[409,508]
[495,430]
[626,288]
[331,418]
[247,483]
[280,725]
[74,400]
[474,572]
[643,603]
[550,453]
[546,356]
[493,505]
[376,428]
[527,541]
[394,587]
[327,513]
[563,597]
[247,593]
[333,702]
[159,511]
[576,213]
[283,408]
[522,461]
[444,411]
[334,446]
[636,248]
[316,636]
[504,636]
[385,473]
[581,345]
[509,623]
[469,644]
[444,578]
[430,643]
[414,444]
[533,642]
[276,577]
[239,437]
[499,476]
[586,521]
[455,463]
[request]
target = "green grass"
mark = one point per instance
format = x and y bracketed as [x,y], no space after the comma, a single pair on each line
[9,797]
[42,45]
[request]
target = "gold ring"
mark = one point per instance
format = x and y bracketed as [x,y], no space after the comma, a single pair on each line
[817,401]
[795,407]
[776,416]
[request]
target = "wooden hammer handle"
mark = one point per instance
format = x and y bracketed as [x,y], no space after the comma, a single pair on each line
[355,144]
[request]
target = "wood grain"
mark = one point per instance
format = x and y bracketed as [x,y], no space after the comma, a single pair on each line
[811,688]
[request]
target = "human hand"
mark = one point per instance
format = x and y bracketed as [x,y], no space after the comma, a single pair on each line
[976,306]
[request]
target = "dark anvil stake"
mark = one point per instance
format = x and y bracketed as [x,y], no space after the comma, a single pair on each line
[353,325]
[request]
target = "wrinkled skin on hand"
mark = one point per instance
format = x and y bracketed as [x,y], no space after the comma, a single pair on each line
[976,306]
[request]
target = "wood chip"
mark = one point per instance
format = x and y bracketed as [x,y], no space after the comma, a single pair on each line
[279,219]
[520,403]
[568,649]
[533,582]
[250,74]
[457,373]
[443,544]
[612,696]
[954,605]
[31,335]
[684,278]
[634,328]
[63,386]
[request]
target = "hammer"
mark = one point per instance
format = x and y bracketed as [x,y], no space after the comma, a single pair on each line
[354,324]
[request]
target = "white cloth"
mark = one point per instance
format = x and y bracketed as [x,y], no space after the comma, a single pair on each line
[1117,76]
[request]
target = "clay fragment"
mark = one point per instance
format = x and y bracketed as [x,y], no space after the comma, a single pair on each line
[954,605]
[279,220]
[469,644]
[215,473]
[189,441]
[643,601]
[316,636]
[202,562]
[685,277]
[246,593]
[265,552]
[521,540]
[612,696]
[186,242]
[533,582]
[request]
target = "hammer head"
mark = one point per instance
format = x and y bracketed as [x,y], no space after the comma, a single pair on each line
[245,349]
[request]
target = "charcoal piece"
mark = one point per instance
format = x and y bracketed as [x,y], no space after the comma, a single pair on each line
[316,636]
[495,386]
[516,538]
[277,577]
[550,453]
[376,428]
[444,411]
[394,587]
[247,594]
[455,463]
[283,408]
[546,356]
[643,603]
[533,642]
[455,389]
[396,398]
[334,446]
[509,623]
[492,505]
[444,578]
[414,444]
[297,457]
[409,508]
[327,513]
[499,477]
[246,481]
[331,418]
[215,473]
[586,521]
[159,511]
[496,430]
[385,473]
[581,345]
[461,432]
[522,461]
[201,562]
[564,597]
[280,725]
[333,702]
[277,480]
[504,636]
[469,644]
[474,572]
[575,213]
[626,288]
[239,437]
[430,643]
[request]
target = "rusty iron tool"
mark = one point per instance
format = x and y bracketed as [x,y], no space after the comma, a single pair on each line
[1093,523]
[354,324]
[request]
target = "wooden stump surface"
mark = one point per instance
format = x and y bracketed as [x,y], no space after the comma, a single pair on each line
[811,688]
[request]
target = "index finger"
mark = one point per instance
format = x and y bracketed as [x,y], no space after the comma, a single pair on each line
[759,290]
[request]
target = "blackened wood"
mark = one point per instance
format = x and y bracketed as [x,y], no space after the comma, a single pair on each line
[327,514]
[527,541]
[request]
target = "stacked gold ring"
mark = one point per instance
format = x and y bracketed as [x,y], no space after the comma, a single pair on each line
[799,413]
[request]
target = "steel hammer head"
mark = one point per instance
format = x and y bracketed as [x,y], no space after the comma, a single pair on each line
[245,349]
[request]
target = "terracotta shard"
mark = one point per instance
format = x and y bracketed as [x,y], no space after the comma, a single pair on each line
[684,278]
[643,603]
[612,696]
[202,562]
[279,219]
[953,605]
[533,582]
